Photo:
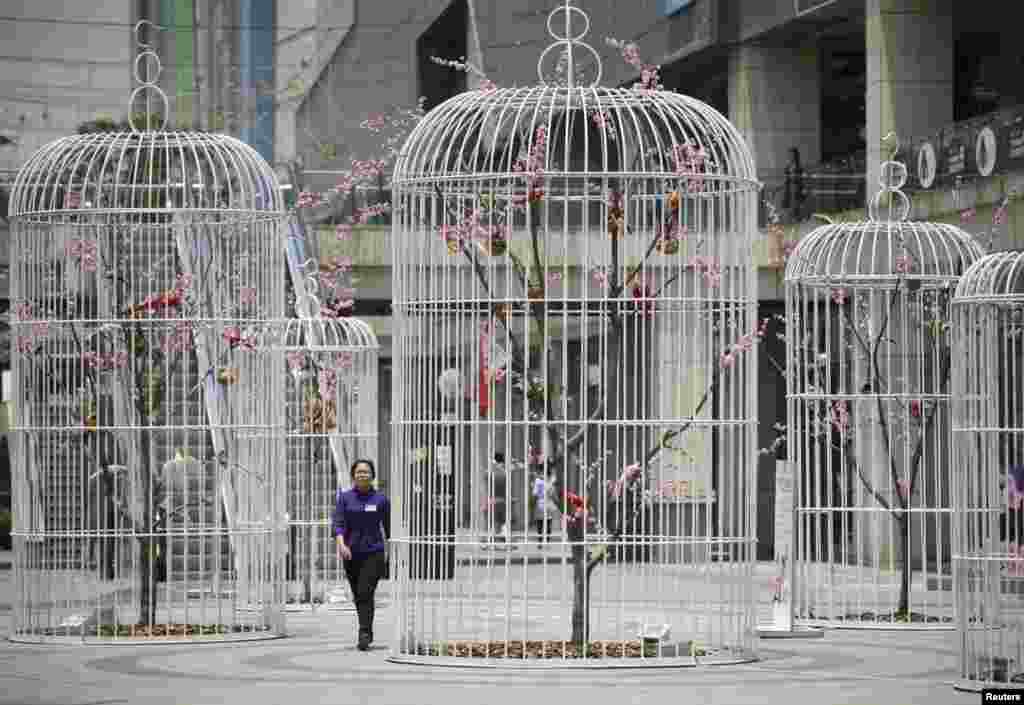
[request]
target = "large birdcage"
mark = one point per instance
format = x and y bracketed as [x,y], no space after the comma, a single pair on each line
[574,393]
[146,269]
[988,442]
[868,389]
[332,410]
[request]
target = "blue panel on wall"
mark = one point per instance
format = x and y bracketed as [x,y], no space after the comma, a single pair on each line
[671,7]
[256,47]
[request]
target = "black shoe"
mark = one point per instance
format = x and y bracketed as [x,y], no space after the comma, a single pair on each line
[364,642]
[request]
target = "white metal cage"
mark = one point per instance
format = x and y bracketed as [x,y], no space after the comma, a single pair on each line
[146,270]
[573,430]
[331,421]
[988,442]
[868,368]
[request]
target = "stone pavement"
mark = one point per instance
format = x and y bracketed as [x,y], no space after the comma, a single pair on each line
[318,663]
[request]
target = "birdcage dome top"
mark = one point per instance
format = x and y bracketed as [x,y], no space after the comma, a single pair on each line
[152,171]
[317,334]
[883,252]
[995,278]
[587,131]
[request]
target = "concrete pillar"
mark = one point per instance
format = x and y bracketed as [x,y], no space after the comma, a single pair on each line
[910,71]
[775,102]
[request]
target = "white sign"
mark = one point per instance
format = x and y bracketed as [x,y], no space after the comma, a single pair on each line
[443,460]
[783,509]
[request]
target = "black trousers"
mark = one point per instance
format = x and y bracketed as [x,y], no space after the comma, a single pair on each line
[363,573]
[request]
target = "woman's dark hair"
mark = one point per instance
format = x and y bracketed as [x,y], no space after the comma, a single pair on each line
[373,469]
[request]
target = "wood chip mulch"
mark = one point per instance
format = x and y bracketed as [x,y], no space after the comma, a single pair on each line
[156,631]
[551,649]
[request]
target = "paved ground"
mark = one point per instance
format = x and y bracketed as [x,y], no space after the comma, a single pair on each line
[318,664]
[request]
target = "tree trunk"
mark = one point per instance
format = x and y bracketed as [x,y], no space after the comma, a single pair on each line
[147,546]
[903,524]
[580,597]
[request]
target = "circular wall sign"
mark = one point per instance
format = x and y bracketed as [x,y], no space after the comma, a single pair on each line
[985,151]
[926,166]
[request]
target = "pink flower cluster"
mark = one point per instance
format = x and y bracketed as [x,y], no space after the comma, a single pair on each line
[233,337]
[839,296]
[327,383]
[903,488]
[777,582]
[630,474]
[84,252]
[1015,566]
[296,361]
[26,344]
[247,295]
[535,456]
[179,340]
[600,277]
[308,199]
[649,78]
[903,264]
[709,268]
[744,344]
[22,310]
[603,121]
[533,167]
[840,416]
[691,161]
[967,215]
[364,214]
[374,123]
[73,199]
[103,362]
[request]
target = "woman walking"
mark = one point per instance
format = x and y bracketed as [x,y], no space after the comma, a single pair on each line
[362,526]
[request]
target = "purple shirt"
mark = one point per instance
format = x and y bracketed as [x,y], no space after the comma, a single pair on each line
[364,520]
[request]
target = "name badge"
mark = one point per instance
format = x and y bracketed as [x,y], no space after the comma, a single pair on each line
[371,507]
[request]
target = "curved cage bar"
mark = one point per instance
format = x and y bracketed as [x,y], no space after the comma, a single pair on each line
[331,421]
[574,394]
[146,269]
[868,375]
[988,440]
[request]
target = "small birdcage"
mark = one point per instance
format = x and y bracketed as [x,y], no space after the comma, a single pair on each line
[146,270]
[331,421]
[574,392]
[988,443]
[868,389]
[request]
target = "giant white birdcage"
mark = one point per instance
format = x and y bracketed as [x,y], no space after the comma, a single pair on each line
[988,442]
[146,268]
[331,421]
[574,393]
[868,388]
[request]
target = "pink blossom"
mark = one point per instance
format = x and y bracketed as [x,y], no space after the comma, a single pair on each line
[365,214]
[23,310]
[73,199]
[308,199]
[709,268]
[915,408]
[839,296]
[788,247]
[488,86]
[101,362]
[1015,566]
[554,277]
[344,360]
[535,456]
[182,283]
[967,215]
[327,383]
[777,583]
[602,120]
[37,334]
[902,264]
[233,337]
[84,252]
[600,278]
[296,361]
[840,416]
[999,214]
[342,264]
[487,504]
[374,123]
[745,343]
[343,231]
[247,295]
[179,340]
[727,360]
[903,487]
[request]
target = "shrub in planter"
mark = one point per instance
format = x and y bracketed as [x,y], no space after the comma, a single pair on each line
[6,523]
